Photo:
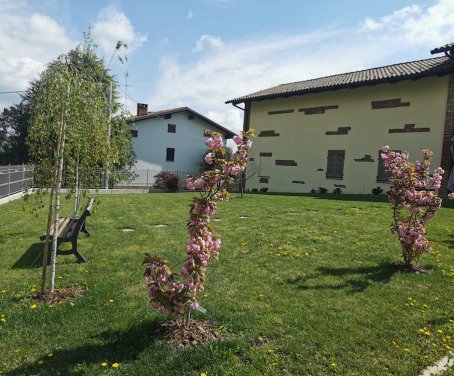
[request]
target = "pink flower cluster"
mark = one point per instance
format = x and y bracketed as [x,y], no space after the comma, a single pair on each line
[167,294]
[416,191]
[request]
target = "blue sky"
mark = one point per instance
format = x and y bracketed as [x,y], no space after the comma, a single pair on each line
[200,53]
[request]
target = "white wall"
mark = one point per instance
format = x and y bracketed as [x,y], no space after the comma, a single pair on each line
[153,140]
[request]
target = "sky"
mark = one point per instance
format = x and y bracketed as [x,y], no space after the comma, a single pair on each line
[201,53]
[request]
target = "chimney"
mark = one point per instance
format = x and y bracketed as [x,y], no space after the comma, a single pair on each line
[142,109]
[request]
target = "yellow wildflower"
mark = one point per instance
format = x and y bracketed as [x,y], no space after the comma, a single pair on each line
[104,364]
[203,374]
[111,300]
[34,306]
[333,364]
[115,365]
[40,362]
[50,355]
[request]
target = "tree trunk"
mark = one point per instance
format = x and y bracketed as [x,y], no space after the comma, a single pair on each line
[77,191]
[60,160]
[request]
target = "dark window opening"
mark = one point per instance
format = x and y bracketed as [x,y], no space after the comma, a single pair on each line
[167,116]
[171,128]
[170,154]
[191,116]
[335,165]
[134,132]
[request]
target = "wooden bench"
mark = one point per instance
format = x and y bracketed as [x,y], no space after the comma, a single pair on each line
[68,230]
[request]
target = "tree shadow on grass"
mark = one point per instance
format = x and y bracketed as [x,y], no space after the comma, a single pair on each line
[353,279]
[448,242]
[118,346]
[33,257]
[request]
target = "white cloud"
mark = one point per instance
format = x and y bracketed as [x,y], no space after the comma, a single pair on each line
[113,26]
[242,67]
[215,43]
[189,15]
[413,25]
[28,42]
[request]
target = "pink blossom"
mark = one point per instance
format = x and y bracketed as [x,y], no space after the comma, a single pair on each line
[166,294]
[209,158]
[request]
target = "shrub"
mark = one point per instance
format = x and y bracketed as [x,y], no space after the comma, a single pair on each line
[377,190]
[414,199]
[263,190]
[337,190]
[167,181]
[322,190]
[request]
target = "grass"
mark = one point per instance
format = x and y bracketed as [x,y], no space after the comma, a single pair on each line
[304,286]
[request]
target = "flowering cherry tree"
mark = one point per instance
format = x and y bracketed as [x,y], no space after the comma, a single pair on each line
[415,200]
[168,293]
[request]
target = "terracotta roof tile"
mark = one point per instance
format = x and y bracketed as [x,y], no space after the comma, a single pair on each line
[390,73]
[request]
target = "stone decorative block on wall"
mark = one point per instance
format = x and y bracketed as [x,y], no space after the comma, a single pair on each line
[268,134]
[340,186]
[366,158]
[298,182]
[279,112]
[285,162]
[408,128]
[318,110]
[340,130]
[264,179]
[266,154]
[388,103]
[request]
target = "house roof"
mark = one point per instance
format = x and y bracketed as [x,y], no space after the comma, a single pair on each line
[156,114]
[390,73]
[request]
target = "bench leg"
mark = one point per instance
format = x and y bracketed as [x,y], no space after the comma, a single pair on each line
[80,258]
[84,230]
[73,251]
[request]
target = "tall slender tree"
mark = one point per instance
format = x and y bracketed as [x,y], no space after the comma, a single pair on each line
[70,119]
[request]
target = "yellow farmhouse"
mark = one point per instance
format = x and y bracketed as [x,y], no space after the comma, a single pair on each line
[327,132]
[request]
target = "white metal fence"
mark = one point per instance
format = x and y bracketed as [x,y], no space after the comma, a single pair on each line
[144,178]
[14,179]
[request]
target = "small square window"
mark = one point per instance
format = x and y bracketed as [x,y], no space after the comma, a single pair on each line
[191,117]
[171,128]
[167,116]
[134,132]
[170,154]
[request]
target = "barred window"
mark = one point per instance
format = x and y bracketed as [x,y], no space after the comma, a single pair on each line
[335,164]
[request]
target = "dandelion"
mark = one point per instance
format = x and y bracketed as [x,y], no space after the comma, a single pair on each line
[40,362]
[50,355]
[111,300]
[440,331]
[34,306]
[334,365]
[203,374]
[407,350]
[104,364]
[33,289]
[306,253]
[115,365]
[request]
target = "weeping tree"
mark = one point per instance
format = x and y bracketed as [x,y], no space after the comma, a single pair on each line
[71,132]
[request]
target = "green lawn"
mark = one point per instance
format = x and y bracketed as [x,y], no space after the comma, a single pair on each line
[304,286]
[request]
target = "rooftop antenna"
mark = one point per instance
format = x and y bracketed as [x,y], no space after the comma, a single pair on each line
[448,49]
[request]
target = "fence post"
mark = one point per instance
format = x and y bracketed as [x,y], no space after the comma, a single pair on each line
[9,179]
[23,175]
[147,177]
